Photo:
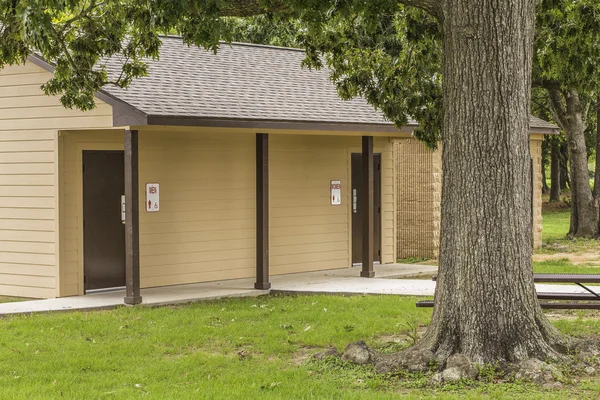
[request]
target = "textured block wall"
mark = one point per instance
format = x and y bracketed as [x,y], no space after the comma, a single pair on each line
[419,185]
[536,154]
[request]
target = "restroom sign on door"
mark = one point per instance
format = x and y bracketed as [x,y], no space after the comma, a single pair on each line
[336,193]
[152,197]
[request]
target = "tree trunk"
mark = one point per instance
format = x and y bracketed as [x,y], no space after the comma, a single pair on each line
[545,187]
[574,221]
[565,181]
[584,210]
[485,300]
[597,169]
[554,171]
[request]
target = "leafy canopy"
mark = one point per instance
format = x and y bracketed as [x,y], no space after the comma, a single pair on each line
[378,49]
[386,52]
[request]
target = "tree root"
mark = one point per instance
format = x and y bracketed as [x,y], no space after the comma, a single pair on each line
[582,355]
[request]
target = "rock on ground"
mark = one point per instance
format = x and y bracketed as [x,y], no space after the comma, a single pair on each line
[537,371]
[329,352]
[413,360]
[358,353]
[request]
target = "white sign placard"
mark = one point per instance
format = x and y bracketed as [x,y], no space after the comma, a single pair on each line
[336,193]
[152,197]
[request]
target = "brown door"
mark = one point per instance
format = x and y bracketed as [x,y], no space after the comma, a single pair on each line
[357,209]
[103,231]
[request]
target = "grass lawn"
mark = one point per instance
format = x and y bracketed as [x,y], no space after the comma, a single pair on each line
[556,226]
[563,255]
[5,299]
[253,348]
[227,349]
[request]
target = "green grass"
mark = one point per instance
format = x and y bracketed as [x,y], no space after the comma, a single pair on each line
[5,299]
[412,260]
[555,229]
[555,226]
[554,235]
[256,348]
[564,266]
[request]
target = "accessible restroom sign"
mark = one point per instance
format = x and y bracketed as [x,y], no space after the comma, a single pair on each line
[336,193]
[152,197]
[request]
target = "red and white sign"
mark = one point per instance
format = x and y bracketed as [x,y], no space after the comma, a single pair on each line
[336,193]
[152,197]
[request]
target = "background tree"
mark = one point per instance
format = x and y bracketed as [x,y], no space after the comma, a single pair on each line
[395,57]
[568,68]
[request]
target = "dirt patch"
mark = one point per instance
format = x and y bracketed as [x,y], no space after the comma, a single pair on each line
[555,206]
[587,259]
[303,354]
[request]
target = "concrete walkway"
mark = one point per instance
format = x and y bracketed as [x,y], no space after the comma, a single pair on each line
[338,281]
[331,281]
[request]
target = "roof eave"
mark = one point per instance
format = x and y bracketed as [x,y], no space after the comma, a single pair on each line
[544,131]
[256,124]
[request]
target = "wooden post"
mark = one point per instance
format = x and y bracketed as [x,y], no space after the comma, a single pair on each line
[262,212]
[368,200]
[132,220]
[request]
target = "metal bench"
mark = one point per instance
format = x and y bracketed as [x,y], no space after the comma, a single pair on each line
[582,301]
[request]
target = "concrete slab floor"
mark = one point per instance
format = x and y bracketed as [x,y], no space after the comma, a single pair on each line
[338,281]
[325,280]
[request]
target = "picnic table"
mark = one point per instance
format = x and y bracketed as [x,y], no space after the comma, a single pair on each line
[589,300]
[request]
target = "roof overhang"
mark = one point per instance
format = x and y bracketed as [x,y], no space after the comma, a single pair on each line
[544,131]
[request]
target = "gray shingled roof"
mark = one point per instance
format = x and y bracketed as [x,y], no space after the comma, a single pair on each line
[241,81]
[536,122]
[244,82]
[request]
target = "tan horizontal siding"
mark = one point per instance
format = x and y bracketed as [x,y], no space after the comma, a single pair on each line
[206,223]
[206,227]
[29,121]
[307,232]
[27,291]
[28,236]
[27,270]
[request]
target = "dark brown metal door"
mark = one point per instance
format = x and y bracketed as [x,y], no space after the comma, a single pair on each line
[103,231]
[357,218]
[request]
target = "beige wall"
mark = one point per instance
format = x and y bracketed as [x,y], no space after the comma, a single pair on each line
[28,179]
[206,227]
[307,232]
[419,184]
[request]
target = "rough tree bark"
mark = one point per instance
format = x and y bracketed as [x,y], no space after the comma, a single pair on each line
[485,301]
[554,171]
[597,170]
[545,187]
[565,181]
[567,109]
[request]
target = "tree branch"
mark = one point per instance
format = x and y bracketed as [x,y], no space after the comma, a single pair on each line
[248,8]
[559,111]
[433,7]
[546,84]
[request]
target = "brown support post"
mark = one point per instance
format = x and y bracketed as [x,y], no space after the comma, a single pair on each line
[262,212]
[368,200]
[132,220]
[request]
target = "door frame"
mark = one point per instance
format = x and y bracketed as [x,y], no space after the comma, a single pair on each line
[348,197]
[81,147]
[112,155]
